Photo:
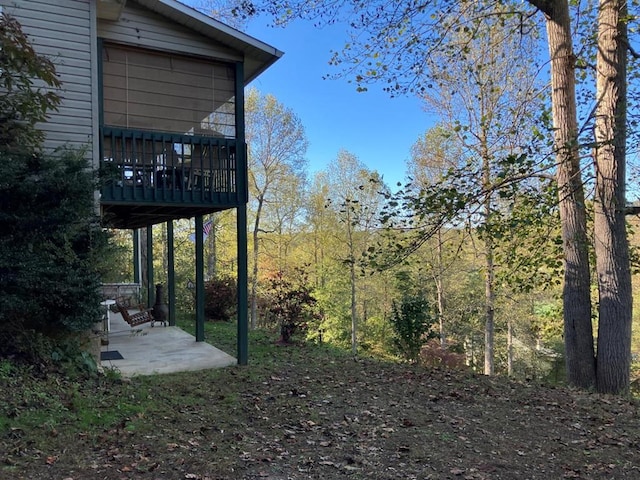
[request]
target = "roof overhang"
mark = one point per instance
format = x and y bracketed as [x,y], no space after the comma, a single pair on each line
[258,56]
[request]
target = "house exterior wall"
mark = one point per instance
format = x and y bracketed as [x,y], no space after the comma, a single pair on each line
[140,27]
[66,31]
[63,31]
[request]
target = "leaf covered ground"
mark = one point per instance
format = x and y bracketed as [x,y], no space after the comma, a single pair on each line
[307,412]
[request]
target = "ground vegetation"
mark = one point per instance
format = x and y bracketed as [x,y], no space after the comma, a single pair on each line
[308,411]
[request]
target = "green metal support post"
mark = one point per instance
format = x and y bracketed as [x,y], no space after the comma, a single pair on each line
[243,182]
[150,289]
[199,280]
[243,280]
[137,274]
[171,274]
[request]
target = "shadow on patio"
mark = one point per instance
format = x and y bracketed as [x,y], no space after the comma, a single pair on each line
[146,350]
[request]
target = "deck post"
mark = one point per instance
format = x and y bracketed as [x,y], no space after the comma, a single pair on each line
[171,274]
[199,280]
[241,221]
[137,267]
[150,289]
[243,280]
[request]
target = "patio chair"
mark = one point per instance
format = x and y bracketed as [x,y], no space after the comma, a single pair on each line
[145,315]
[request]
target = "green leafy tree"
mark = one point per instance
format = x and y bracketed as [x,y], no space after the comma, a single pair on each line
[285,220]
[27,89]
[489,113]
[277,144]
[356,203]
[52,247]
[432,156]
[412,322]
[392,42]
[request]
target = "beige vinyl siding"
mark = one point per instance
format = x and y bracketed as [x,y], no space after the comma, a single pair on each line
[141,27]
[62,30]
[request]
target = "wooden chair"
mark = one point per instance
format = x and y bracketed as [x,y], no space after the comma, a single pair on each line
[134,319]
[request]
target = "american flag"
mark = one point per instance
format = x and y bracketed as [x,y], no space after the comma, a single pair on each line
[206,229]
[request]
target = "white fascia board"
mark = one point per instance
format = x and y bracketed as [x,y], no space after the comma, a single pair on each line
[216,24]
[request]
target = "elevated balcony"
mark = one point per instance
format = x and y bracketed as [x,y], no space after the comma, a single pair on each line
[172,135]
[151,177]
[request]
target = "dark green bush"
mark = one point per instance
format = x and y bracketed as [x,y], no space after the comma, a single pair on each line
[51,241]
[290,303]
[50,246]
[221,298]
[412,323]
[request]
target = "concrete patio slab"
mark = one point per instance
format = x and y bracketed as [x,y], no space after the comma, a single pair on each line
[147,350]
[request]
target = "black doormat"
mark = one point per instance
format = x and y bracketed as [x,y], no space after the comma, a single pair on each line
[111,355]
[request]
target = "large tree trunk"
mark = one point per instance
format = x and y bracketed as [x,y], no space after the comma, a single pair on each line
[440,291]
[256,256]
[354,312]
[352,273]
[489,278]
[144,255]
[611,247]
[489,275]
[254,283]
[578,334]
[510,347]
[489,327]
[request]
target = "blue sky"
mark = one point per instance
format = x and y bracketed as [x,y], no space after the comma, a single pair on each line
[378,129]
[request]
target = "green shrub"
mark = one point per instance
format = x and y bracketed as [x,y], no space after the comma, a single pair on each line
[50,246]
[412,323]
[290,304]
[51,243]
[221,298]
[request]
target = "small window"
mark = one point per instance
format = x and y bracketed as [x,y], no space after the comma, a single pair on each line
[148,90]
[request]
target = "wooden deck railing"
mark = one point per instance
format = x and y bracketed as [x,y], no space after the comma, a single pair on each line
[142,167]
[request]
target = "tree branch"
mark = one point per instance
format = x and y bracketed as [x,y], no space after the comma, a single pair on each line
[545,6]
[632,51]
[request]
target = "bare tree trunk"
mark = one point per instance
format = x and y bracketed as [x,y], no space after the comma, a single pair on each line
[254,283]
[354,312]
[440,293]
[611,245]
[489,279]
[144,271]
[254,280]
[352,271]
[212,258]
[489,329]
[165,253]
[469,353]
[509,347]
[578,335]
